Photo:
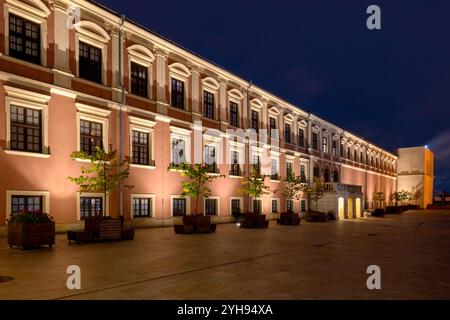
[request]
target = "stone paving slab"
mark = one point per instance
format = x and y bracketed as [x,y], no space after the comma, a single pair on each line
[312,261]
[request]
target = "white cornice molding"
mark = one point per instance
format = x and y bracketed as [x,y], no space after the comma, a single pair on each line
[87,109]
[26,95]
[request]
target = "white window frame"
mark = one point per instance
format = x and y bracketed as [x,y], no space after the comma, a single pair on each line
[277,159]
[292,163]
[180,72]
[258,199]
[146,126]
[142,196]
[37,14]
[44,194]
[94,114]
[212,198]
[105,203]
[31,100]
[210,85]
[188,204]
[235,96]
[278,204]
[181,134]
[241,204]
[97,38]
[305,162]
[144,57]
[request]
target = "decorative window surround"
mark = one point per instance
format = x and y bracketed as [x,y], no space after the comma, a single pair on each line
[182,134]
[142,196]
[212,86]
[241,204]
[27,99]
[89,113]
[181,73]
[44,194]
[211,198]
[92,34]
[105,204]
[144,57]
[37,13]
[188,204]
[278,204]
[147,126]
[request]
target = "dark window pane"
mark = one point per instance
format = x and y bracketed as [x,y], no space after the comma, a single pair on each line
[139,80]
[26,203]
[234,114]
[236,207]
[287,133]
[142,207]
[91,136]
[90,63]
[208,104]
[211,207]
[91,207]
[177,95]
[141,148]
[179,207]
[24,39]
[26,129]
[255,120]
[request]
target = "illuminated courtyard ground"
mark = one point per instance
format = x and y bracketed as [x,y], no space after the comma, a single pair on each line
[313,261]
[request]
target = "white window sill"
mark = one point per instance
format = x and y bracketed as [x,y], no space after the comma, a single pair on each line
[140,166]
[275,181]
[213,174]
[236,177]
[27,154]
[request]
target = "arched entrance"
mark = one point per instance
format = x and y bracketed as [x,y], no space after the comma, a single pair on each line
[350,208]
[341,205]
[358,208]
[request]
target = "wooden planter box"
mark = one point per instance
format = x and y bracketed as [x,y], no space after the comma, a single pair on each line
[317,217]
[289,218]
[255,221]
[104,228]
[27,235]
[195,224]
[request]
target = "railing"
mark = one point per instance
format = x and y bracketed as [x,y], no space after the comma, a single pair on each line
[255,168]
[212,168]
[236,170]
[329,186]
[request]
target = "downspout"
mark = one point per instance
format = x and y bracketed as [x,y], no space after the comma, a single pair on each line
[249,115]
[122,105]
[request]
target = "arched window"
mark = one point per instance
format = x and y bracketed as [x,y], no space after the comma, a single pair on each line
[316,172]
[326,175]
[336,176]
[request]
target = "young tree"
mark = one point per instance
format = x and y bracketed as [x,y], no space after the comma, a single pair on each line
[104,174]
[197,185]
[315,191]
[417,193]
[293,186]
[254,185]
[378,197]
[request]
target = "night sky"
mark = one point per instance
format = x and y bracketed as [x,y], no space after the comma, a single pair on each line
[390,86]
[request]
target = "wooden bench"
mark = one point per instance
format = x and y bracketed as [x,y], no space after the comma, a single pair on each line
[195,224]
[289,219]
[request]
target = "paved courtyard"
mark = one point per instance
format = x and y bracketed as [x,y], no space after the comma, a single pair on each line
[313,261]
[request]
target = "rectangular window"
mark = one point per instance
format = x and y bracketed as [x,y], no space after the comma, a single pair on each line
[316,172]
[211,207]
[255,120]
[142,207]
[355,157]
[26,129]
[334,146]
[289,169]
[24,39]
[139,80]
[361,157]
[274,206]
[90,63]
[210,159]
[178,151]
[303,205]
[235,207]
[303,172]
[301,137]
[141,147]
[208,104]
[274,170]
[235,166]
[26,203]
[342,150]
[287,133]
[177,94]
[315,144]
[325,145]
[272,126]
[91,136]
[234,114]
[179,207]
[289,206]
[349,153]
[91,207]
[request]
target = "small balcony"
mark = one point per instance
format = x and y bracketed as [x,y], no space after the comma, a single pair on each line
[256,169]
[236,170]
[329,186]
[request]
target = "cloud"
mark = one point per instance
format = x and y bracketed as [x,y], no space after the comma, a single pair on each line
[440,145]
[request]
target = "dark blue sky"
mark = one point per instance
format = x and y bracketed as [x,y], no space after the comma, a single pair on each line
[391,86]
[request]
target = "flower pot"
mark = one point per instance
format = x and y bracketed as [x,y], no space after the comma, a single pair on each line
[28,235]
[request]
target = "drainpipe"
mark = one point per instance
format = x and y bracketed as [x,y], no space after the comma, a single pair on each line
[249,117]
[122,105]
